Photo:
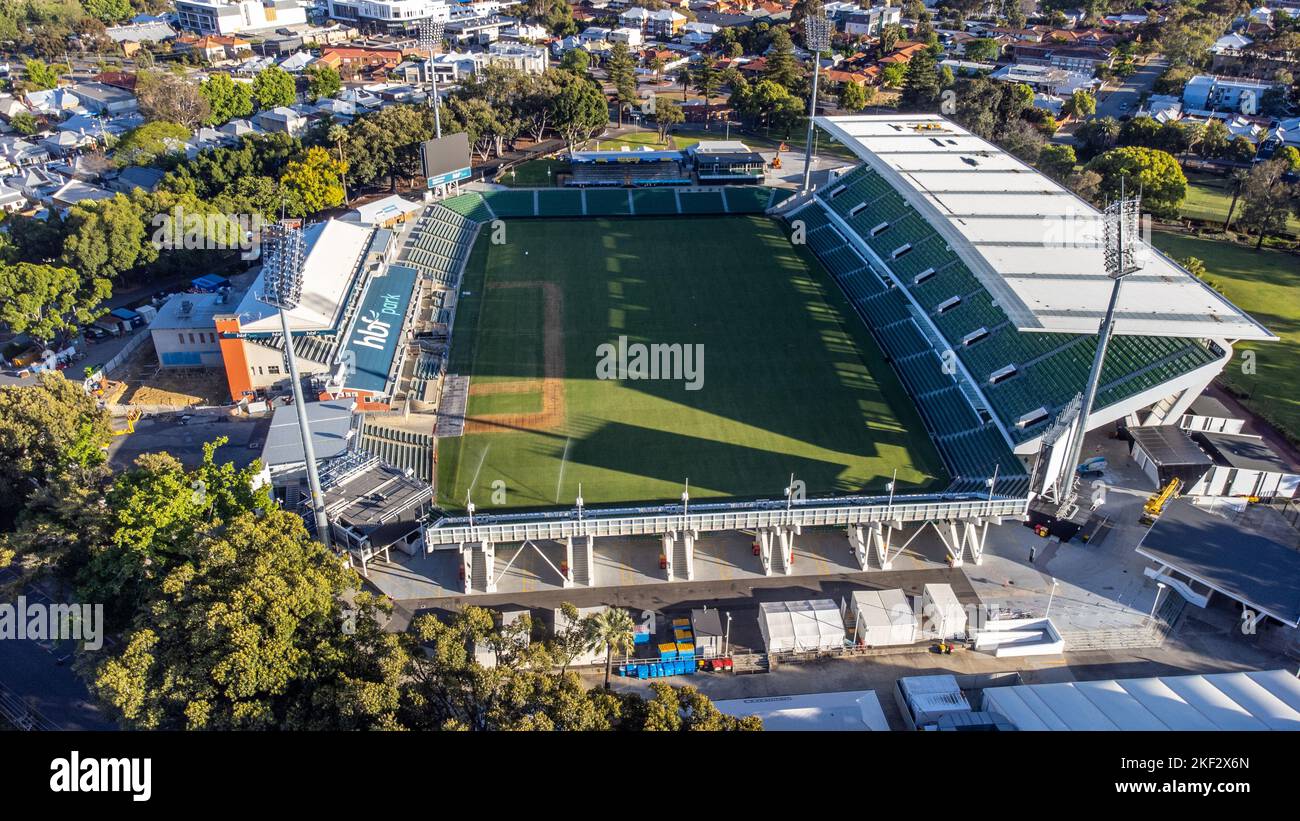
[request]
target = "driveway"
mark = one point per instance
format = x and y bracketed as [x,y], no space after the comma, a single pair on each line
[1124,100]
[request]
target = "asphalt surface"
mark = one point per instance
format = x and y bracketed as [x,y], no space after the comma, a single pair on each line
[1124,100]
[185,441]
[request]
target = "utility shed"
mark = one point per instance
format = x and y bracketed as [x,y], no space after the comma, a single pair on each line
[1166,452]
[882,618]
[706,626]
[1257,700]
[923,700]
[801,625]
[945,617]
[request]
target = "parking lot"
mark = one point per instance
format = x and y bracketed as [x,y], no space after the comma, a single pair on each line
[185,440]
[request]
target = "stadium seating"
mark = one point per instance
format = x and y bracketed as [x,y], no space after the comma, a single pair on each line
[608,203]
[559,203]
[512,203]
[701,202]
[439,242]
[469,205]
[744,199]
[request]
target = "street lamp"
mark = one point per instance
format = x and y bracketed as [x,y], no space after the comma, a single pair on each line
[1160,588]
[282,262]
[686,500]
[1051,596]
[817,37]
[430,35]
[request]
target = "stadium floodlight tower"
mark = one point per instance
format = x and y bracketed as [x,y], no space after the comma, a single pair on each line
[1120,223]
[282,262]
[817,38]
[431,35]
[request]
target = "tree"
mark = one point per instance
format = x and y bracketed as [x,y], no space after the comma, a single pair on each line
[273,87]
[227,100]
[920,84]
[683,77]
[1097,135]
[47,430]
[780,66]
[612,628]
[707,78]
[894,75]
[982,50]
[1153,173]
[855,96]
[1215,138]
[667,114]
[1266,200]
[622,73]
[385,144]
[580,109]
[1080,106]
[1290,155]
[685,709]
[170,98]
[314,183]
[1237,180]
[890,36]
[577,60]
[47,301]
[1057,160]
[106,238]
[336,135]
[108,11]
[42,77]
[150,143]
[323,82]
[24,123]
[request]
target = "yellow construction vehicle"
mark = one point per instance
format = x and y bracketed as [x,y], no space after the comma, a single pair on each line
[131,419]
[1156,504]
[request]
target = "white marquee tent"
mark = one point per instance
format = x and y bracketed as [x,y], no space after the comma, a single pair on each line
[1259,700]
[801,625]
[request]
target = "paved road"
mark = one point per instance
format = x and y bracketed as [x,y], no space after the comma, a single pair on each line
[1124,100]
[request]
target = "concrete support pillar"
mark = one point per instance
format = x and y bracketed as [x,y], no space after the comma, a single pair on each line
[882,535]
[688,542]
[589,553]
[858,543]
[467,567]
[490,566]
[765,549]
[668,539]
[568,562]
[975,536]
[786,535]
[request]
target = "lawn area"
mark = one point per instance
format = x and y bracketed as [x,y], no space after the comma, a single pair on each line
[1208,198]
[1265,284]
[790,382]
[533,174]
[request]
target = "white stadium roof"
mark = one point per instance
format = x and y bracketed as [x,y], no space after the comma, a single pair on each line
[986,204]
[334,250]
[1262,700]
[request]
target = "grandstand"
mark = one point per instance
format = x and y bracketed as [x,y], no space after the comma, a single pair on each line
[513,203]
[627,169]
[929,238]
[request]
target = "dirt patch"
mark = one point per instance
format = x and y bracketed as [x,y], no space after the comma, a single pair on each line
[551,385]
[145,382]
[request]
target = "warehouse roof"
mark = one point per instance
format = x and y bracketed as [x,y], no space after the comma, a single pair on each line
[331,425]
[982,200]
[1169,445]
[1243,565]
[1242,451]
[1258,700]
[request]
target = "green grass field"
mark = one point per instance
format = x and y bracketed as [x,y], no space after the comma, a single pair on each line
[1209,196]
[1263,283]
[792,381]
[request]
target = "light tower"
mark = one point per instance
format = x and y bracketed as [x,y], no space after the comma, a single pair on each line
[431,35]
[1120,222]
[817,38]
[282,260]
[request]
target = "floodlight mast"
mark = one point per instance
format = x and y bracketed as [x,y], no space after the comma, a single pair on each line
[1120,224]
[282,288]
[817,37]
[430,35]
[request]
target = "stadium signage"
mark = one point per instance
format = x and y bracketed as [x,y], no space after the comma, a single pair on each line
[449,177]
[638,361]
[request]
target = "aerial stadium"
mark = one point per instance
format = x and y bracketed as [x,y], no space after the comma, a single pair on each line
[896,345]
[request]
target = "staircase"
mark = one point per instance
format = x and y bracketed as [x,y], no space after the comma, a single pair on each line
[679,559]
[478,571]
[1151,634]
[778,557]
[749,663]
[581,571]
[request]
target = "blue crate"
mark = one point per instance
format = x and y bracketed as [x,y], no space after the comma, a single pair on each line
[642,671]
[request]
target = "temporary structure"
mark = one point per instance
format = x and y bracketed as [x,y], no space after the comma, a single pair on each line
[922,700]
[883,618]
[1256,700]
[801,625]
[945,618]
[850,710]
[706,624]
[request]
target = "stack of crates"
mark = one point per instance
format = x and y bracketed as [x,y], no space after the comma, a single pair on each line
[685,641]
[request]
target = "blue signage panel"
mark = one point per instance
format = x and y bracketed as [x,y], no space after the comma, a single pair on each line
[377,329]
[450,176]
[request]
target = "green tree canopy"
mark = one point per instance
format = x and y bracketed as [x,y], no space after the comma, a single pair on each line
[1153,173]
[273,87]
[227,99]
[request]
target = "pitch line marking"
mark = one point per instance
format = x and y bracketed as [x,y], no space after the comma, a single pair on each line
[563,461]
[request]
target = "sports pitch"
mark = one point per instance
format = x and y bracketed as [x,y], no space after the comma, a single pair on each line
[791,382]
